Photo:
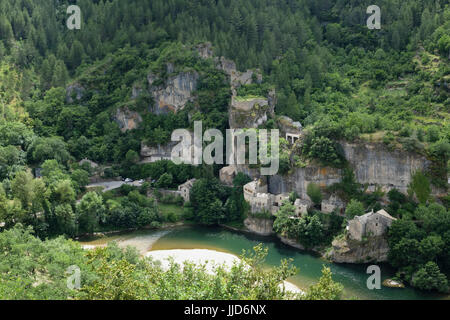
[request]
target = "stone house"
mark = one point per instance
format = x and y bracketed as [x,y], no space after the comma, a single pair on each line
[260,200]
[301,207]
[332,204]
[372,224]
[185,189]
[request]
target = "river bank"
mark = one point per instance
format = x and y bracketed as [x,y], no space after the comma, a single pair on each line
[353,277]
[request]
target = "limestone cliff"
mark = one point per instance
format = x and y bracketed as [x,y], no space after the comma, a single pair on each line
[372,249]
[300,178]
[372,163]
[173,94]
[375,165]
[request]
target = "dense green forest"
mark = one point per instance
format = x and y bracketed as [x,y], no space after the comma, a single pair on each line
[341,80]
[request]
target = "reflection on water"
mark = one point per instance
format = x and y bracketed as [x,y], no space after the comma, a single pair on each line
[353,277]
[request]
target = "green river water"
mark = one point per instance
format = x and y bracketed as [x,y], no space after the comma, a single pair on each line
[353,277]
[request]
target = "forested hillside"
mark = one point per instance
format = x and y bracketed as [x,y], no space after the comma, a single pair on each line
[339,79]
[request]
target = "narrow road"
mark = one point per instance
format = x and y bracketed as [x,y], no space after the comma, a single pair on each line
[111,185]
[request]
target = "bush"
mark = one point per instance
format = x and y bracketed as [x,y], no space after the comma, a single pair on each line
[314,193]
[429,277]
[354,208]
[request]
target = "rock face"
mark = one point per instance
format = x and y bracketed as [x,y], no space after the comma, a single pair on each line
[176,91]
[227,174]
[263,227]
[372,163]
[375,249]
[249,113]
[164,151]
[74,92]
[288,126]
[127,119]
[300,178]
[375,165]
[156,153]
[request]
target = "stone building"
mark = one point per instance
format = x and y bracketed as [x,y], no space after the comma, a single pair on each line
[372,224]
[333,204]
[302,206]
[260,200]
[185,189]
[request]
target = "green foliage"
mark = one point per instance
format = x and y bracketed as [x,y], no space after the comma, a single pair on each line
[91,212]
[430,278]
[207,199]
[314,193]
[37,270]
[325,289]
[354,208]
[419,247]
[420,186]
[309,230]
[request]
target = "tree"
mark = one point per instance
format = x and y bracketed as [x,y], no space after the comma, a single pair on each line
[48,148]
[207,198]
[429,277]
[325,289]
[420,186]
[62,192]
[91,212]
[314,193]
[354,208]
[165,181]
[80,177]
[65,219]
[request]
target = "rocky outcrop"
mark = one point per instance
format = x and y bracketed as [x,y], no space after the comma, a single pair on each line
[74,92]
[205,50]
[291,242]
[249,113]
[373,249]
[164,151]
[174,93]
[260,226]
[227,175]
[156,153]
[127,119]
[288,126]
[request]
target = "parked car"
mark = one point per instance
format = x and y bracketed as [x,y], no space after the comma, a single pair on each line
[128,180]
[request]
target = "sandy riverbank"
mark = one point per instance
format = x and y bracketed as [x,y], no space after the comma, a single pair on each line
[209,258]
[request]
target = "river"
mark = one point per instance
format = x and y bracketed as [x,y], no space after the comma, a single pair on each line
[353,277]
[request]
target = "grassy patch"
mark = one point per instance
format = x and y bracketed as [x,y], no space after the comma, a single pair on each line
[170,209]
[248,98]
